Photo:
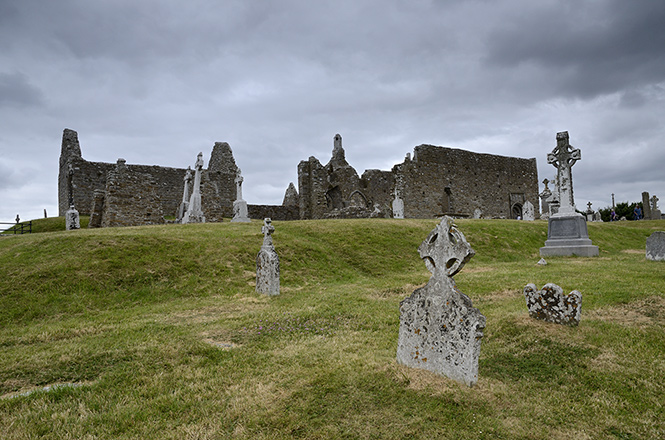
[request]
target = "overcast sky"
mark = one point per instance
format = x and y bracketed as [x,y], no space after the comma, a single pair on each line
[157,81]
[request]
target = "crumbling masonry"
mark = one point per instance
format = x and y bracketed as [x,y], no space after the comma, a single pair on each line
[436,181]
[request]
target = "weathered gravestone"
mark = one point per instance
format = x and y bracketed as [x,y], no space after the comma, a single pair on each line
[239,205]
[194,214]
[398,206]
[566,230]
[656,246]
[528,211]
[551,305]
[439,328]
[267,263]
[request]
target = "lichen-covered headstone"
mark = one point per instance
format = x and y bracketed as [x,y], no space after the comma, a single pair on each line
[267,263]
[439,329]
[551,305]
[656,246]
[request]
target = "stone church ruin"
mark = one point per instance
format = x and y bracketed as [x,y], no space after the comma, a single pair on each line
[436,181]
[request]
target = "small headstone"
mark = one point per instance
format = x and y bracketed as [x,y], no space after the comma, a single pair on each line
[656,246]
[551,305]
[477,213]
[398,207]
[439,329]
[72,219]
[542,262]
[528,211]
[597,217]
[45,216]
[267,263]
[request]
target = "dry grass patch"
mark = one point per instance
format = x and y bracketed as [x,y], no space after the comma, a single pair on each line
[640,314]
[633,251]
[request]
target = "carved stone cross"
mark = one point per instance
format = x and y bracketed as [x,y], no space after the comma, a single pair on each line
[267,229]
[563,157]
[238,180]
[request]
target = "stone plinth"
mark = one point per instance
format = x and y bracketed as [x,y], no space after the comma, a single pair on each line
[656,246]
[72,219]
[551,305]
[567,235]
[439,329]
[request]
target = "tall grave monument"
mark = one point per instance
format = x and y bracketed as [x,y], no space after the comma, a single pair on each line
[239,205]
[72,215]
[567,230]
[194,214]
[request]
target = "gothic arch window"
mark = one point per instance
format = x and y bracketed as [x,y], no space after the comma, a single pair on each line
[358,199]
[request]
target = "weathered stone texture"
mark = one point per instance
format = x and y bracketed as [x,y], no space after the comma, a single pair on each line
[218,189]
[437,181]
[528,211]
[72,219]
[291,197]
[267,263]
[97,210]
[440,330]
[132,198]
[656,246]
[275,212]
[551,305]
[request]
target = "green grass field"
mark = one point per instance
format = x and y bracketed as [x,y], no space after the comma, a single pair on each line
[156,333]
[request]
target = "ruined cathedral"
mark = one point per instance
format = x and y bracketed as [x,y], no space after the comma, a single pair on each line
[435,181]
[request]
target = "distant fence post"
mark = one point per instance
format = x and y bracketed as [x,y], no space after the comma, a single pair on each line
[18,228]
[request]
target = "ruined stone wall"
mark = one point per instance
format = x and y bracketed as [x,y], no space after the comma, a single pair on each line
[437,181]
[312,187]
[133,199]
[378,185]
[274,212]
[441,180]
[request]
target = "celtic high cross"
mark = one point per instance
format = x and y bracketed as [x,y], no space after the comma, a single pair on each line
[563,157]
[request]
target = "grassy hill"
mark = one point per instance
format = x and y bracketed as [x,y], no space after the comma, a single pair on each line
[156,332]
